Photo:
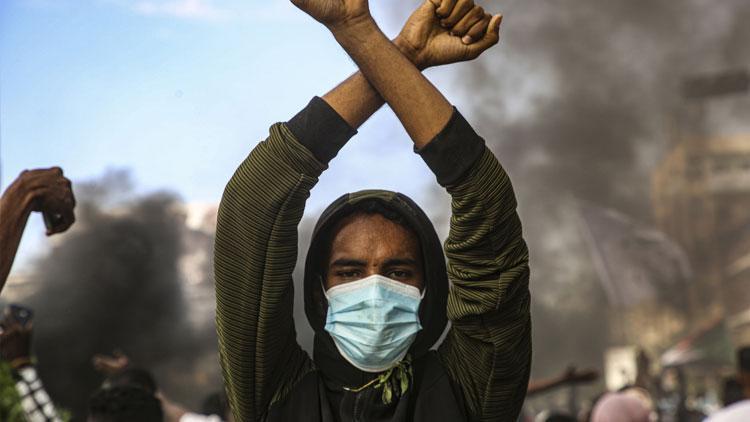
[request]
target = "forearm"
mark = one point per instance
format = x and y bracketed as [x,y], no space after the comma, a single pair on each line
[420,107]
[355,99]
[15,208]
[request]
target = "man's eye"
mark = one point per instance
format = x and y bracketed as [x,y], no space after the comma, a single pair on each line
[347,274]
[400,274]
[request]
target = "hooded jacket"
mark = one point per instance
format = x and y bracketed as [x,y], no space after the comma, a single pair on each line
[480,370]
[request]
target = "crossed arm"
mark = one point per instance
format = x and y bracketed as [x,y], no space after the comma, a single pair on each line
[391,71]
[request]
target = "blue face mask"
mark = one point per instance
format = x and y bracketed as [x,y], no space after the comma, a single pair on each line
[373,321]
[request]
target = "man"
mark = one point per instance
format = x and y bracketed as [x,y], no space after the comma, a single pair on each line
[738,411]
[376,283]
[44,190]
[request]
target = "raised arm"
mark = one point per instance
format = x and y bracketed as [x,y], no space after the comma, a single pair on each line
[254,256]
[420,107]
[426,41]
[43,190]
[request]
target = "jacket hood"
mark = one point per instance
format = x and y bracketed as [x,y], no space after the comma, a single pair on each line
[432,310]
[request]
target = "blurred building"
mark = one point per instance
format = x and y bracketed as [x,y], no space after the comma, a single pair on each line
[701,199]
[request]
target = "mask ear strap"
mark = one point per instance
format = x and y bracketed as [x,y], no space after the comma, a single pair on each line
[323,287]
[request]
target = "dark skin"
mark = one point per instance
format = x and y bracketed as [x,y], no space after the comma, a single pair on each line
[369,244]
[46,191]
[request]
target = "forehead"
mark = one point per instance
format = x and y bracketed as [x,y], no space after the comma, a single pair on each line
[372,236]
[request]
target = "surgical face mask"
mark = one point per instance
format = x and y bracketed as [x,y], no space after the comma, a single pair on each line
[373,321]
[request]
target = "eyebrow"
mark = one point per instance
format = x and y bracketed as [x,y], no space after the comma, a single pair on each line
[393,262]
[399,261]
[344,262]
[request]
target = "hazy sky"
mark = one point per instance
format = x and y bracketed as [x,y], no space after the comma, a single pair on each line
[178,91]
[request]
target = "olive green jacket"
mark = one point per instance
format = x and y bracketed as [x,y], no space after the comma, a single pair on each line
[487,351]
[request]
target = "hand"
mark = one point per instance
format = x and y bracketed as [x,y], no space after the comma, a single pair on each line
[50,193]
[15,341]
[334,13]
[463,33]
[110,365]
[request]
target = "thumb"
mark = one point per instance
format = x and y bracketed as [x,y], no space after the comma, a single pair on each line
[492,36]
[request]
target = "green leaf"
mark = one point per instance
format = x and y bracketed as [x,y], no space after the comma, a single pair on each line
[404,383]
[387,393]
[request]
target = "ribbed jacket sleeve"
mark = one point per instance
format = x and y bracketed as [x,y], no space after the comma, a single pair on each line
[487,351]
[255,255]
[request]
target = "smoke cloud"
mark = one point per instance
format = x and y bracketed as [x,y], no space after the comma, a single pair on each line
[579,102]
[114,282]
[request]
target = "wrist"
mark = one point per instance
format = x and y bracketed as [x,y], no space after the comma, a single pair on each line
[18,199]
[409,52]
[355,29]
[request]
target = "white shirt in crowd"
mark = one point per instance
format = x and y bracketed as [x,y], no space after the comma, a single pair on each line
[194,417]
[738,412]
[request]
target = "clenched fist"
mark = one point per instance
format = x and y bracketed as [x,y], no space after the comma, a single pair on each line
[50,193]
[448,31]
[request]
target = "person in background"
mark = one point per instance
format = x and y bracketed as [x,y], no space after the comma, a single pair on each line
[15,349]
[46,191]
[124,403]
[631,404]
[119,372]
[740,410]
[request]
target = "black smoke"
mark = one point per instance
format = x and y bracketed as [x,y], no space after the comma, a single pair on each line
[114,282]
[579,102]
